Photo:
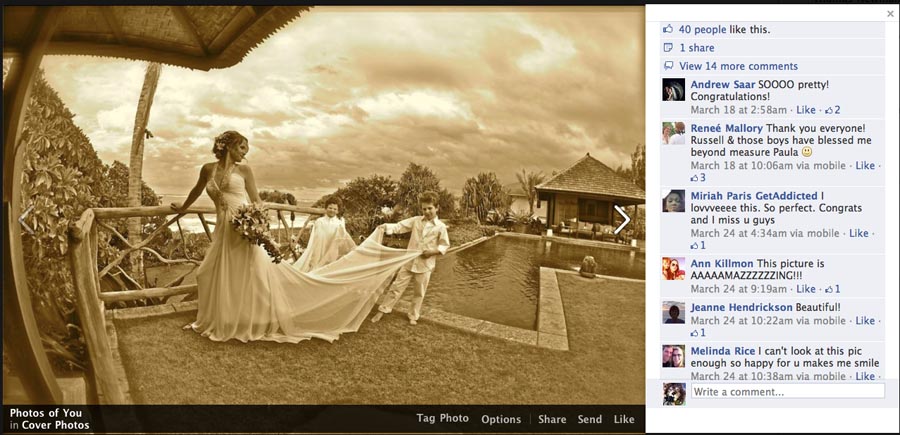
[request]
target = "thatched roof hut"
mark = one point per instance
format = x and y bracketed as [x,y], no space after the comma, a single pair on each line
[586,192]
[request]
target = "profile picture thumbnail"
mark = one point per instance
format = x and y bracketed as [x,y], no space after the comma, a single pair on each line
[673,133]
[673,202]
[672,89]
[673,356]
[674,394]
[672,269]
[672,313]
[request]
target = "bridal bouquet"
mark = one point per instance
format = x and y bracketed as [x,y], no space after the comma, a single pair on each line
[252,222]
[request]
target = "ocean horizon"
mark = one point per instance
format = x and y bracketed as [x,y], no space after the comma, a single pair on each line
[191,223]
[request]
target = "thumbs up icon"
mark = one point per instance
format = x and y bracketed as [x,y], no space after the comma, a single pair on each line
[668,29]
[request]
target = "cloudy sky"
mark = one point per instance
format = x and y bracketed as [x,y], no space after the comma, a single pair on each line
[343,92]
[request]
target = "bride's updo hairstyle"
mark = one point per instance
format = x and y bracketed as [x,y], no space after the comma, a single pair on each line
[225,141]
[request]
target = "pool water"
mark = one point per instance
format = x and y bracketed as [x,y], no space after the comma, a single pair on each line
[499,279]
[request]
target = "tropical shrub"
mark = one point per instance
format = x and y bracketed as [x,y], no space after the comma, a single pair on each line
[367,203]
[63,176]
[415,180]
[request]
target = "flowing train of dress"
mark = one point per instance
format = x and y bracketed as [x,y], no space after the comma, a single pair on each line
[328,241]
[243,295]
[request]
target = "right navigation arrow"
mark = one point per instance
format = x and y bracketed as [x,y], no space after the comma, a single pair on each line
[627,219]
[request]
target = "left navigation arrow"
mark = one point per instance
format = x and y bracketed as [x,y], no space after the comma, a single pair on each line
[22,220]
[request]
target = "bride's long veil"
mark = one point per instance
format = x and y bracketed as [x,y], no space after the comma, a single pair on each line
[337,297]
[324,248]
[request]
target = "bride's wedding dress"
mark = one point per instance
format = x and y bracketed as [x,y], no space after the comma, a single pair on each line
[328,241]
[243,295]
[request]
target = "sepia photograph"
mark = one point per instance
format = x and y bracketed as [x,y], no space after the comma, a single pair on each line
[308,205]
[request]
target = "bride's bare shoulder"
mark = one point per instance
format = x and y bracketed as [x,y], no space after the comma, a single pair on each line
[243,169]
[206,170]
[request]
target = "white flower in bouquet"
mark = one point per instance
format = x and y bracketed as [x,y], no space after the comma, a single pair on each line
[252,222]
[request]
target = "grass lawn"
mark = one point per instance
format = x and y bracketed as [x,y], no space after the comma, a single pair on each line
[392,362]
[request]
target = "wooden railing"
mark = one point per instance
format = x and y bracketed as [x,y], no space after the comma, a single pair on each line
[91,302]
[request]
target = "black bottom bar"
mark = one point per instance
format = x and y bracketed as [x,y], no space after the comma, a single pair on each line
[324,419]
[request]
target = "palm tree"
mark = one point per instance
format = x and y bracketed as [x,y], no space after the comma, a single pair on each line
[484,193]
[148,90]
[528,181]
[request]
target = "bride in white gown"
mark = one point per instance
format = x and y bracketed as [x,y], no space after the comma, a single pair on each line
[243,295]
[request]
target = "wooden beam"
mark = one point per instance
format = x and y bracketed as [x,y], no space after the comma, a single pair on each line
[189,27]
[235,25]
[113,24]
[242,21]
[20,330]
[183,241]
[157,254]
[601,196]
[205,226]
[261,10]
[552,219]
[156,292]
[127,278]
[160,210]
[90,312]
[149,54]
[140,245]
[290,233]
[164,210]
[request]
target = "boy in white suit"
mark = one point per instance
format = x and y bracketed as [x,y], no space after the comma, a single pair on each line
[429,235]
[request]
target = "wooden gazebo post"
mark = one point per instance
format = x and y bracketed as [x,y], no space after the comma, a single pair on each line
[20,331]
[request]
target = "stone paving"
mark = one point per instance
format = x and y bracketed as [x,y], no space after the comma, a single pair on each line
[609,277]
[551,329]
[474,326]
[470,244]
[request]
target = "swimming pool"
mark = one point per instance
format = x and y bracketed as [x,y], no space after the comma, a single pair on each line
[499,279]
